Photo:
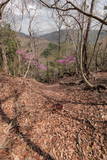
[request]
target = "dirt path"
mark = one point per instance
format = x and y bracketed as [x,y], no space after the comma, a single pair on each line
[51,122]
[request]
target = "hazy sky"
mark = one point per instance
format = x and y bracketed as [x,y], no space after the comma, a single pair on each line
[43,22]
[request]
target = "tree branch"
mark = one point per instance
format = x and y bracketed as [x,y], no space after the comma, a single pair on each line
[73,8]
[2,6]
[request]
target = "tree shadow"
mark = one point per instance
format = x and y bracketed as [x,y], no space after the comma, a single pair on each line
[53,100]
[16,129]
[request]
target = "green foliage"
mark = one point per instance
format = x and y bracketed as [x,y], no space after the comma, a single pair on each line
[49,51]
[52,64]
[46,53]
[57,70]
[52,46]
[8,39]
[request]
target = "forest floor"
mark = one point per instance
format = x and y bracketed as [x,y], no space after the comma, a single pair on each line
[51,122]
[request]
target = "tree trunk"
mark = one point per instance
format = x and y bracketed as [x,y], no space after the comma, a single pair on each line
[5,64]
[98,35]
[85,53]
[28,68]
[59,40]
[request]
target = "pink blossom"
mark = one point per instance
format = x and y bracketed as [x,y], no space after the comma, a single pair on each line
[34,62]
[70,59]
[20,52]
[28,56]
[61,61]
[42,67]
[31,57]
[67,60]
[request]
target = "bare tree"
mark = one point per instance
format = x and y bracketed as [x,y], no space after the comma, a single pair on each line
[3,4]
[66,6]
[2,46]
[85,54]
[95,45]
[32,15]
[59,22]
[69,5]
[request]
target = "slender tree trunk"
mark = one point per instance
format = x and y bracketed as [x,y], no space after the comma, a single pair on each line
[28,67]
[59,40]
[48,78]
[94,50]
[81,55]
[5,64]
[81,62]
[96,58]
[85,53]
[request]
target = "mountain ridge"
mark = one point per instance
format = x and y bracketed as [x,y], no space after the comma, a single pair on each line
[53,36]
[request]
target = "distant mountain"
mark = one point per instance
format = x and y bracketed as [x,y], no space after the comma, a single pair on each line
[93,35]
[53,36]
[23,34]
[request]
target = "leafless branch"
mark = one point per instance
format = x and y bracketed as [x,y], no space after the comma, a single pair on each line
[73,7]
[2,6]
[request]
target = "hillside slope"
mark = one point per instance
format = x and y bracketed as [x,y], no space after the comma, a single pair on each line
[51,122]
[54,36]
[40,43]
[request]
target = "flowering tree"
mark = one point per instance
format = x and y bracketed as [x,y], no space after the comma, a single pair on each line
[87,14]
[26,56]
[67,60]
